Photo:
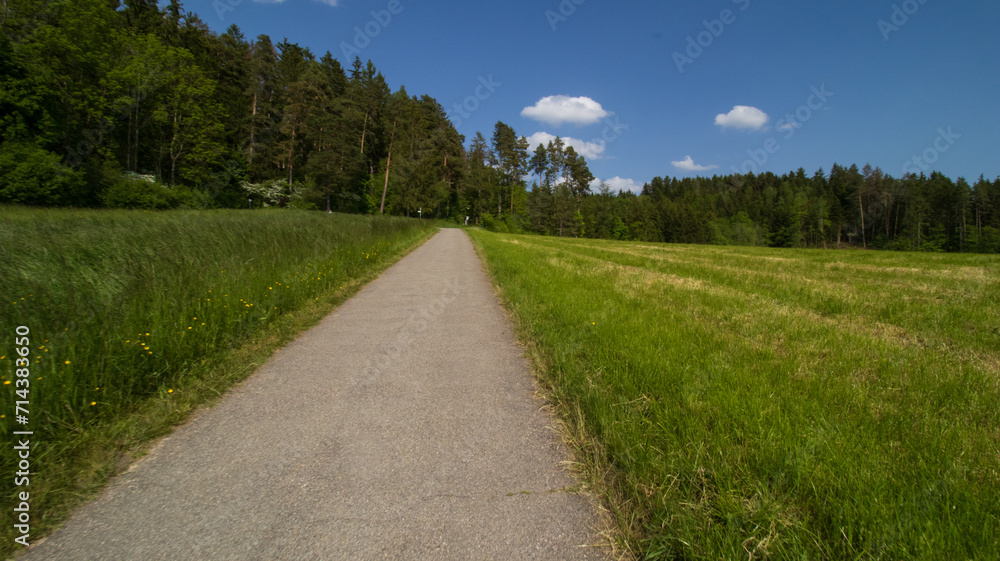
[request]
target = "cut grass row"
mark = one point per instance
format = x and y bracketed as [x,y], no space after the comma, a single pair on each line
[137,318]
[755,403]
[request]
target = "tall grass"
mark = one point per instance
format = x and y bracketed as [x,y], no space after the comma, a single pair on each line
[754,403]
[127,306]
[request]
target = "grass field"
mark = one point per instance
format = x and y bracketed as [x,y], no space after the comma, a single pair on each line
[786,404]
[136,318]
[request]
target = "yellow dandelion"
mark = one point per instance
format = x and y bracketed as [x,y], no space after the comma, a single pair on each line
[6,382]
[67,362]
[147,335]
[189,327]
[93,403]
[170,391]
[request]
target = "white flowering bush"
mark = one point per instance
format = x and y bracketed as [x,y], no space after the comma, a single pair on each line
[275,192]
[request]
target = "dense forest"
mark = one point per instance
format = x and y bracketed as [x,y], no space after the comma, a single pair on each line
[133,106]
[127,105]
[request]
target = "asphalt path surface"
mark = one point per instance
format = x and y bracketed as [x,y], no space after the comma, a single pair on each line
[403,426]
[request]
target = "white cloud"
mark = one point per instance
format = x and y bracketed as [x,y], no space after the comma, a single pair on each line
[789,126]
[742,117]
[589,150]
[687,164]
[558,109]
[616,184]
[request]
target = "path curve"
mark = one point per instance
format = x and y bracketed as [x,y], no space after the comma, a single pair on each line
[402,426]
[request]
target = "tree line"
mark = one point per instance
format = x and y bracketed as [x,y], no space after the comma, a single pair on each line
[848,207]
[132,105]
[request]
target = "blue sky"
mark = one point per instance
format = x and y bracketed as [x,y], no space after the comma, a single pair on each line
[650,88]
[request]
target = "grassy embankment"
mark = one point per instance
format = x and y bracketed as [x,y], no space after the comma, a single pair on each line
[136,318]
[738,403]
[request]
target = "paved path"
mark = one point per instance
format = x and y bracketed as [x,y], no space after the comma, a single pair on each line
[401,427]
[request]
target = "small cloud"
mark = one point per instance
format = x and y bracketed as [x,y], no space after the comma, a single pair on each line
[280,1]
[616,184]
[589,150]
[789,126]
[742,117]
[687,164]
[559,109]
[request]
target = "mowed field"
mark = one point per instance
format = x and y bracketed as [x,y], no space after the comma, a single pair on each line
[748,403]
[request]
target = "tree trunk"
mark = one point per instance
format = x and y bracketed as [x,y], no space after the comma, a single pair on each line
[965,233]
[364,130]
[253,120]
[133,148]
[175,151]
[864,241]
[895,227]
[388,160]
[291,154]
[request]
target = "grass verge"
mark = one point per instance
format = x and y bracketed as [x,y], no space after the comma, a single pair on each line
[754,403]
[137,319]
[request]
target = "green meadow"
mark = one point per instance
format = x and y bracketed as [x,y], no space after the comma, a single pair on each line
[136,318]
[748,403]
